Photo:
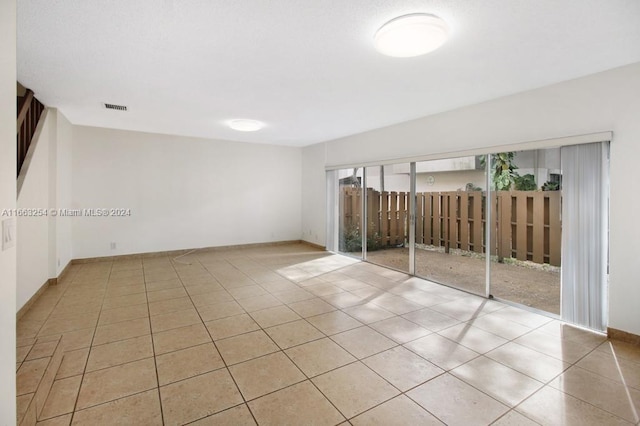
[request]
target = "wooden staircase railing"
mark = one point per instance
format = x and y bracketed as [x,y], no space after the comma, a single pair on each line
[28,117]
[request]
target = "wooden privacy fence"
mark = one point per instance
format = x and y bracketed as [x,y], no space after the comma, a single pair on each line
[526,224]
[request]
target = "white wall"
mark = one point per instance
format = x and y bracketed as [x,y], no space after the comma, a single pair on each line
[314,211]
[63,193]
[182,192]
[8,201]
[44,242]
[606,101]
[34,243]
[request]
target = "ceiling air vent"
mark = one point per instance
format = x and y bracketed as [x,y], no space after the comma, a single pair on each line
[116,107]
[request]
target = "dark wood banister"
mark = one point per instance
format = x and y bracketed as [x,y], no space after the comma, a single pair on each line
[26,124]
[26,104]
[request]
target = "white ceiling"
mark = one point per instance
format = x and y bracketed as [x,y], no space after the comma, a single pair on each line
[305,67]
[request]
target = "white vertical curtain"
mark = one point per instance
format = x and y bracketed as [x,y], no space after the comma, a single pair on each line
[585,201]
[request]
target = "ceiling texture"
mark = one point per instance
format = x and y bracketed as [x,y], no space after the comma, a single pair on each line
[307,68]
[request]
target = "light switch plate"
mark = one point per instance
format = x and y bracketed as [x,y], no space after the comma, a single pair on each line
[8,233]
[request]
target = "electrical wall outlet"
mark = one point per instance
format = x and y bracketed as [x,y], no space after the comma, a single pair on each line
[113,246]
[8,233]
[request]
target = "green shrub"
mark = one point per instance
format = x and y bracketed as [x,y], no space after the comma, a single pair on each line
[351,241]
[551,186]
[525,183]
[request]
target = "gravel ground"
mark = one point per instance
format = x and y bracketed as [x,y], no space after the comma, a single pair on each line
[522,282]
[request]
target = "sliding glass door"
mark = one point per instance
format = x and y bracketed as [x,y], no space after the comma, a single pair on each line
[513,225]
[450,222]
[526,228]
[350,209]
[387,205]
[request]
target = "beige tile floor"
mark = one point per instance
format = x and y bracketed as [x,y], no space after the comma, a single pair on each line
[292,335]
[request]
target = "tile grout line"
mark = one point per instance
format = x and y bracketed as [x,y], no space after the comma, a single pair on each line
[281,350]
[369,325]
[153,344]
[84,370]
[224,362]
[37,333]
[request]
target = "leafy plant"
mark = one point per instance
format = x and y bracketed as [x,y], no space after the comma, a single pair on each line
[374,242]
[351,241]
[551,186]
[503,170]
[525,183]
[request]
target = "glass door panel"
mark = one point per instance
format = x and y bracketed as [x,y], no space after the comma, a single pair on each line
[387,200]
[450,222]
[526,228]
[350,212]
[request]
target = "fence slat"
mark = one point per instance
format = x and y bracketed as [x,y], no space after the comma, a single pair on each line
[403,198]
[493,205]
[436,216]
[445,222]
[520,244]
[356,208]
[372,213]
[428,219]
[464,221]
[428,225]
[478,234]
[393,218]
[538,227]
[555,228]
[384,218]
[453,220]
[346,207]
[420,218]
[504,224]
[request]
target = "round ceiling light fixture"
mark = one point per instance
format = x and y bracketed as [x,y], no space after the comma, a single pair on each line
[246,125]
[411,35]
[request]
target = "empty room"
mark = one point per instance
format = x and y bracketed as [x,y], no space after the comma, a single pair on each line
[320,212]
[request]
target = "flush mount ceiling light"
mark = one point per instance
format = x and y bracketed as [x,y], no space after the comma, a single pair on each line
[246,125]
[411,35]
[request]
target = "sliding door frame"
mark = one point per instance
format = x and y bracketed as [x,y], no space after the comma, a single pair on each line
[488,152]
[411,218]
